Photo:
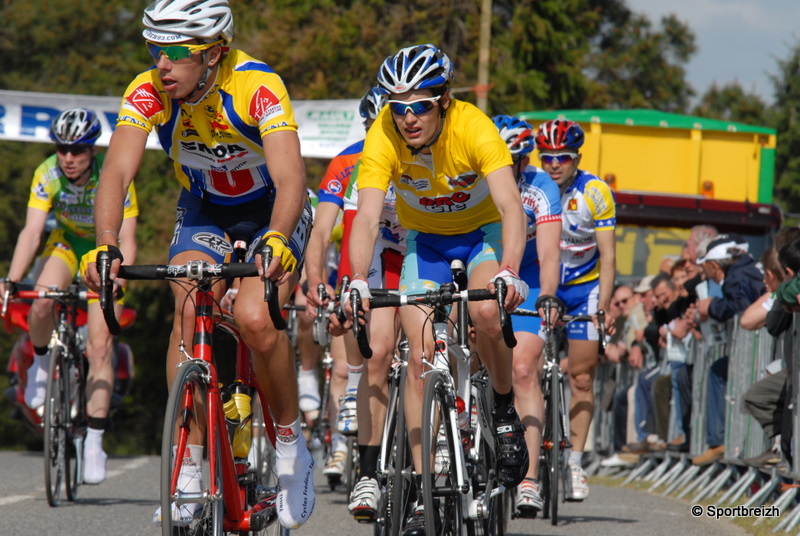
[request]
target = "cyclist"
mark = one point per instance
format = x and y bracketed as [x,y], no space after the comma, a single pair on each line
[457,198]
[588,265]
[67,183]
[336,193]
[226,120]
[383,327]
[540,269]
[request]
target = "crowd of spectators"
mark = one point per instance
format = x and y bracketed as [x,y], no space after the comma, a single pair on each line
[662,321]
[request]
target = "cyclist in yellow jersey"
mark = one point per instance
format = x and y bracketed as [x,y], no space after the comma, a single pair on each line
[458,199]
[66,183]
[226,121]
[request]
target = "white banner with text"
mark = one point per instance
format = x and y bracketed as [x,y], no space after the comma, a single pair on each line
[325,127]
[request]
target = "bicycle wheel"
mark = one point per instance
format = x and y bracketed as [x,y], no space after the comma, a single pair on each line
[75,425]
[351,468]
[490,523]
[262,461]
[56,414]
[188,505]
[441,495]
[554,465]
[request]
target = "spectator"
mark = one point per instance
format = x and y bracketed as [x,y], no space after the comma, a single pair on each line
[728,263]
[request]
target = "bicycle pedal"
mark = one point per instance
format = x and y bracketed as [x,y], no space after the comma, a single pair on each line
[365,518]
[264,513]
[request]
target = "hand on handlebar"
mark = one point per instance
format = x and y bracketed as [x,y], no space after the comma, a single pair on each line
[516,289]
[283,260]
[88,268]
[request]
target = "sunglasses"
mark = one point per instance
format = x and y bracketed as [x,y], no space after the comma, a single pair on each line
[177,52]
[74,150]
[621,302]
[416,107]
[561,158]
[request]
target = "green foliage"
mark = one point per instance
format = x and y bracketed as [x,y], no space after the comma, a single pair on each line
[787,122]
[731,103]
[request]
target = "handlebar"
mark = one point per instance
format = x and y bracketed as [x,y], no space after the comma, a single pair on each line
[200,271]
[547,304]
[73,292]
[443,296]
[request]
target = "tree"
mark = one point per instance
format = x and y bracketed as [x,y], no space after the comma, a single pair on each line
[731,103]
[787,122]
[634,65]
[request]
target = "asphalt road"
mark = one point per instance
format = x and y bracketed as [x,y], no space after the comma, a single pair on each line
[124,505]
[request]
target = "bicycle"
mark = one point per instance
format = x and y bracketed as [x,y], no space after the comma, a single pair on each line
[555,430]
[234,493]
[64,419]
[464,489]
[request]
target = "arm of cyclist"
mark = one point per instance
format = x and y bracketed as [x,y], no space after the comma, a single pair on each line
[504,191]
[27,245]
[285,165]
[606,244]
[127,243]
[363,236]
[548,238]
[125,151]
[316,252]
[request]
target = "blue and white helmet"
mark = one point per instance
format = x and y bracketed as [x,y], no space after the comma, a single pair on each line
[372,103]
[517,134]
[416,67]
[75,126]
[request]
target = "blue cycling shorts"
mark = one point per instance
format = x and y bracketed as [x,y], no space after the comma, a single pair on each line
[428,256]
[581,299]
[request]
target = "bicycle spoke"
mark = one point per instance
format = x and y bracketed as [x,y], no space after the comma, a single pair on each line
[54,428]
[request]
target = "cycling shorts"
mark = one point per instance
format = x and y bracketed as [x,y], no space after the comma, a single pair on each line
[529,324]
[387,259]
[70,249]
[581,299]
[428,257]
[212,229]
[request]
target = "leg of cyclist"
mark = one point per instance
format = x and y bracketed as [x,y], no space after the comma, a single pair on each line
[582,365]
[308,373]
[335,464]
[527,381]
[54,271]
[511,454]
[99,386]
[373,394]
[273,363]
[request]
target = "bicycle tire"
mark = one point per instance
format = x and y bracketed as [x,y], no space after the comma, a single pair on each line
[56,410]
[75,423]
[440,494]
[555,451]
[481,472]
[262,457]
[403,493]
[185,410]
[351,465]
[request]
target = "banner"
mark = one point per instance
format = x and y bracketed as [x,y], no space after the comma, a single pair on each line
[325,127]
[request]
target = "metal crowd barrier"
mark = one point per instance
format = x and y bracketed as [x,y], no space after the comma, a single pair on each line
[749,353]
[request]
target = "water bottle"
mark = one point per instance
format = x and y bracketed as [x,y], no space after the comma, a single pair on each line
[243,434]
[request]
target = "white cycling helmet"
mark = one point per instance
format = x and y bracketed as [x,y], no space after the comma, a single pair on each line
[372,103]
[169,21]
[416,67]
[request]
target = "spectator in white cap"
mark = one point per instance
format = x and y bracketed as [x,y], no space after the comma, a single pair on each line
[727,262]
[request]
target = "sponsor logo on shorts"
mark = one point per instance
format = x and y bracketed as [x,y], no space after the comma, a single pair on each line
[213,242]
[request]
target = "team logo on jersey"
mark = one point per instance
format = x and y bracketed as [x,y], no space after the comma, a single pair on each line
[145,100]
[40,191]
[446,203]
[334,187]
[213,242]
[418,184]
[572,205]
[265,104]
[465,180]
